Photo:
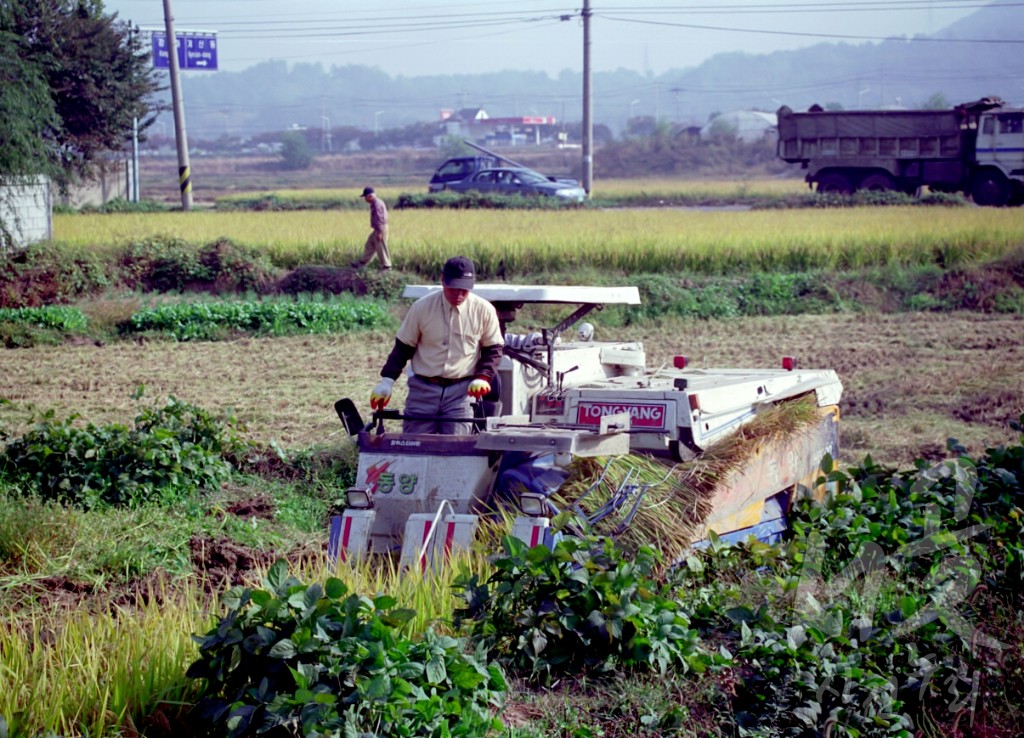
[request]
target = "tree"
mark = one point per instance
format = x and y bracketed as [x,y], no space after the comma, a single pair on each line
[27,111]
[937,101]
[295,151]
[98,78]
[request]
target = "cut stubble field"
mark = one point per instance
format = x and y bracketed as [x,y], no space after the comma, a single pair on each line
[911,380]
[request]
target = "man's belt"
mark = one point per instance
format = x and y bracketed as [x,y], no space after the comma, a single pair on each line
[442,381]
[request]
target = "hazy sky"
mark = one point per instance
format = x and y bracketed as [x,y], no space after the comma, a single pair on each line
[404,37]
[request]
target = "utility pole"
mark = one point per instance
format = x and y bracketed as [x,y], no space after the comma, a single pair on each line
[180,137]
[588,106]
[325,133]
[133,190]
[133,178]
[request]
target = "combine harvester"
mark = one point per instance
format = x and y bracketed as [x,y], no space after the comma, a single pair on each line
[578,427]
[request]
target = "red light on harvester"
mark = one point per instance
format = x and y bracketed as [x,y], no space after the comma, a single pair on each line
[788,363]
[679,362]
[694,403]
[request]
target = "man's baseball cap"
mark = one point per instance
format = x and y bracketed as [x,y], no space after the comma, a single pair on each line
[458,273]
[367,191]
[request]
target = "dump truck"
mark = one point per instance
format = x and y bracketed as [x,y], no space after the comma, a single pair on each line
[974,148]
[565,396]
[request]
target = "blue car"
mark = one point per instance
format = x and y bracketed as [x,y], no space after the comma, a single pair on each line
[516,181]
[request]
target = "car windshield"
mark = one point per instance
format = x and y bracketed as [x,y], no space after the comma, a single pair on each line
[454,168]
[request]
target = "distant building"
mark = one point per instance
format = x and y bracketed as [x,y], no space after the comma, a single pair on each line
[474,123]
[746,125]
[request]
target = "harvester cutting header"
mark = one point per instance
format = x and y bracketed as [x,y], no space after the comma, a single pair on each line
[571,412]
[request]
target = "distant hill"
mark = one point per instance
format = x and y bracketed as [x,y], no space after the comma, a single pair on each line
[870,74]
[273,96]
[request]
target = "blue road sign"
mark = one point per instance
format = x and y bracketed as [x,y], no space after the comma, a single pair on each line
[201,52]
[195,51]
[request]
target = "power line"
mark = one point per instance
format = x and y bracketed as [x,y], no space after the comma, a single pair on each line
[808,34]
[827,7]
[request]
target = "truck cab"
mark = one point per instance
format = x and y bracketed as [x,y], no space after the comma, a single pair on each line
[999,154]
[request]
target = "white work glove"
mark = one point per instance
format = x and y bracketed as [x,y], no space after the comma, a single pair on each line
[478,388]
[524,341]
[381,394]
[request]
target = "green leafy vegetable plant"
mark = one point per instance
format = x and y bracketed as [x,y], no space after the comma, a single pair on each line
[205,320]
[57,317]
[317,661]
[586,605]
[167,454]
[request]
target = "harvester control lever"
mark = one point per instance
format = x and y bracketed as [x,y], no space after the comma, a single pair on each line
[561,376]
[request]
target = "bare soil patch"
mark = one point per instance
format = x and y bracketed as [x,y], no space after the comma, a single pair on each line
[221,562]
[260,507]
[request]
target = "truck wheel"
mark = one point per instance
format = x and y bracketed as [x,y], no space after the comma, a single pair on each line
[990,188]
[880,182]
[838,184]
[1017,194]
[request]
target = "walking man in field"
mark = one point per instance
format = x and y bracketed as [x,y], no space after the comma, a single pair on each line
[377,242]
[453,341]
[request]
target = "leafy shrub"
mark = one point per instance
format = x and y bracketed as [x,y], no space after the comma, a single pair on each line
[1010,301]
[320,661]
[19,335]
[584,605]
[205,320]
[43,274]
[289,201]
[768,293]
[168,454]
[174,265]
[925,301]
[880,198]
[333,280]
[120,205]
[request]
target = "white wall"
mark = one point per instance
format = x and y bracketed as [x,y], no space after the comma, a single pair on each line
[26,211]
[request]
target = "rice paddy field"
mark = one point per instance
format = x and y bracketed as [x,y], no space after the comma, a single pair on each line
[623,240]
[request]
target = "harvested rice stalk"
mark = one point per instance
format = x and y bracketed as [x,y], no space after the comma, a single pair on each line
[643,500]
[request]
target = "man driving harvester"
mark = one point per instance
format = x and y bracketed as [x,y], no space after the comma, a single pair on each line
[452,340]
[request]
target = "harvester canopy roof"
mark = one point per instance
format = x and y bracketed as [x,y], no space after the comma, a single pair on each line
[541,293]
